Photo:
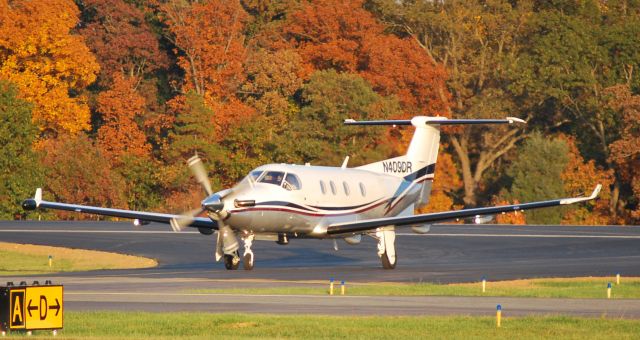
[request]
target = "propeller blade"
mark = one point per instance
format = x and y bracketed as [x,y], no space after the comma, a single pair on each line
[197,168]
[177,224]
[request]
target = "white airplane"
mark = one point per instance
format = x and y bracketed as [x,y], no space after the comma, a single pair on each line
[279,202]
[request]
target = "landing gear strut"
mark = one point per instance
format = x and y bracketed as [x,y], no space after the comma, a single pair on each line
[247,260]
[386,247]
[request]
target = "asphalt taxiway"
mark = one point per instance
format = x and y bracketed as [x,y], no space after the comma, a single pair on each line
[450,253]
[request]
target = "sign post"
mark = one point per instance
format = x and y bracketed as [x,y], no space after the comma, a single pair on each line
[28,308]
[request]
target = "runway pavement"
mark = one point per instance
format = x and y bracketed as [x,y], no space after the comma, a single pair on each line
[450,253]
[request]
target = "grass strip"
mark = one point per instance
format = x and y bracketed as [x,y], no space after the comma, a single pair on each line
[139,325]
[579,288]
[28,259]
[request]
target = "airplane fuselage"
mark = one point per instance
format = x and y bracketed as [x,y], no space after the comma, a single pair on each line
[321,196]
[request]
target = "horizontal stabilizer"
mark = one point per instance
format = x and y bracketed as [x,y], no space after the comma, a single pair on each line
[435,121]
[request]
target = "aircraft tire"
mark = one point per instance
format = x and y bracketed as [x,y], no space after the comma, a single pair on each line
[247,261]
[228,262]
[386,264]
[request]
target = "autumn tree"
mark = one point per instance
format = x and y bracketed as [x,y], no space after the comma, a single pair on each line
[272,80]
[574,51]
[209,41]
[20,173]
[625,152]
[120,37]
[120,134]
[49,64]
[579,178]
[208,36]
[474,41]
[77,172]
[344,36]
[445,183]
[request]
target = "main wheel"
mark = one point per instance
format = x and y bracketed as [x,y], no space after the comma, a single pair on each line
[386,263]
[231,262]
[248,261]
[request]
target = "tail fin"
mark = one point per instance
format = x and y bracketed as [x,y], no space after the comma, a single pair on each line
[420,161]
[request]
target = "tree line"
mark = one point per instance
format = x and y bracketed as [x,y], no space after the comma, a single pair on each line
[102,101]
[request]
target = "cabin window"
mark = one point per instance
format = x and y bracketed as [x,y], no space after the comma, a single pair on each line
[333,187]
[255,174]
[291,182]
[272,177]
[323,188]
[346,188]
[362,190]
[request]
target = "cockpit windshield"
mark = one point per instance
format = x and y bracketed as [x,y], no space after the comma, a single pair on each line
[272,177]
[255,174]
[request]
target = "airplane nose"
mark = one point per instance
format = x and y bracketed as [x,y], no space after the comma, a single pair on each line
[213,203]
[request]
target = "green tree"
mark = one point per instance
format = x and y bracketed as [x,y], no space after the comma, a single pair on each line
[536,175]
[573,53]
[19,171]
[317,132]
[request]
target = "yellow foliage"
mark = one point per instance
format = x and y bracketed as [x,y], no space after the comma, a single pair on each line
[40,55]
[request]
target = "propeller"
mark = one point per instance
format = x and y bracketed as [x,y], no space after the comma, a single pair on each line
[212,203]
[226,242]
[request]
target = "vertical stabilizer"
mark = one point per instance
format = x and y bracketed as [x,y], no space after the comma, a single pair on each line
[418,164]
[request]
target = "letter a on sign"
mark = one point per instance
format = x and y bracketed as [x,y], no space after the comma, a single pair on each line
[16,296]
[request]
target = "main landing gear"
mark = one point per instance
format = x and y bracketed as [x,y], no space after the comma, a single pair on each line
[386,247]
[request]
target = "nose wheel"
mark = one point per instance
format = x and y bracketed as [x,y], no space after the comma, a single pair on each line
[231,261]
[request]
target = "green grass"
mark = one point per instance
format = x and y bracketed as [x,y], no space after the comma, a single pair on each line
[136,325]
[15,263]
[549,288]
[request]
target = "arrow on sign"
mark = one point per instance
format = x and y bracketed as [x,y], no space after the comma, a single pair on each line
[30,308]
[56,307]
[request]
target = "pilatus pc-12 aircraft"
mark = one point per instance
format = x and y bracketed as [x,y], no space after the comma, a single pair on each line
[280,202]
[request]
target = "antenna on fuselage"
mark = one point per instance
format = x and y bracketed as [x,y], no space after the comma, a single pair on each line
[344,163]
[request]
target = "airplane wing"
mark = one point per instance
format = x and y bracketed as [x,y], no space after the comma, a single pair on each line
[37,202]
[399,221]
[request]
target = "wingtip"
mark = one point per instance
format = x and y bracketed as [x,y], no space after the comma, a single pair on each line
[38,196]
[593,195]
[516,120]
[596,191]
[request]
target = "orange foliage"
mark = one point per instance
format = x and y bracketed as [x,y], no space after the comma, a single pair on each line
[330,33]
[78,173]
[123,42]
[625,152]
[344,36]
[399,67]
[40,55]
[446,181]
[516,217]
[580,177]
[210,37]
[120,134]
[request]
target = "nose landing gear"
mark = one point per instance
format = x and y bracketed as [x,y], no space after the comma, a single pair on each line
[248,254]
[386,247]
